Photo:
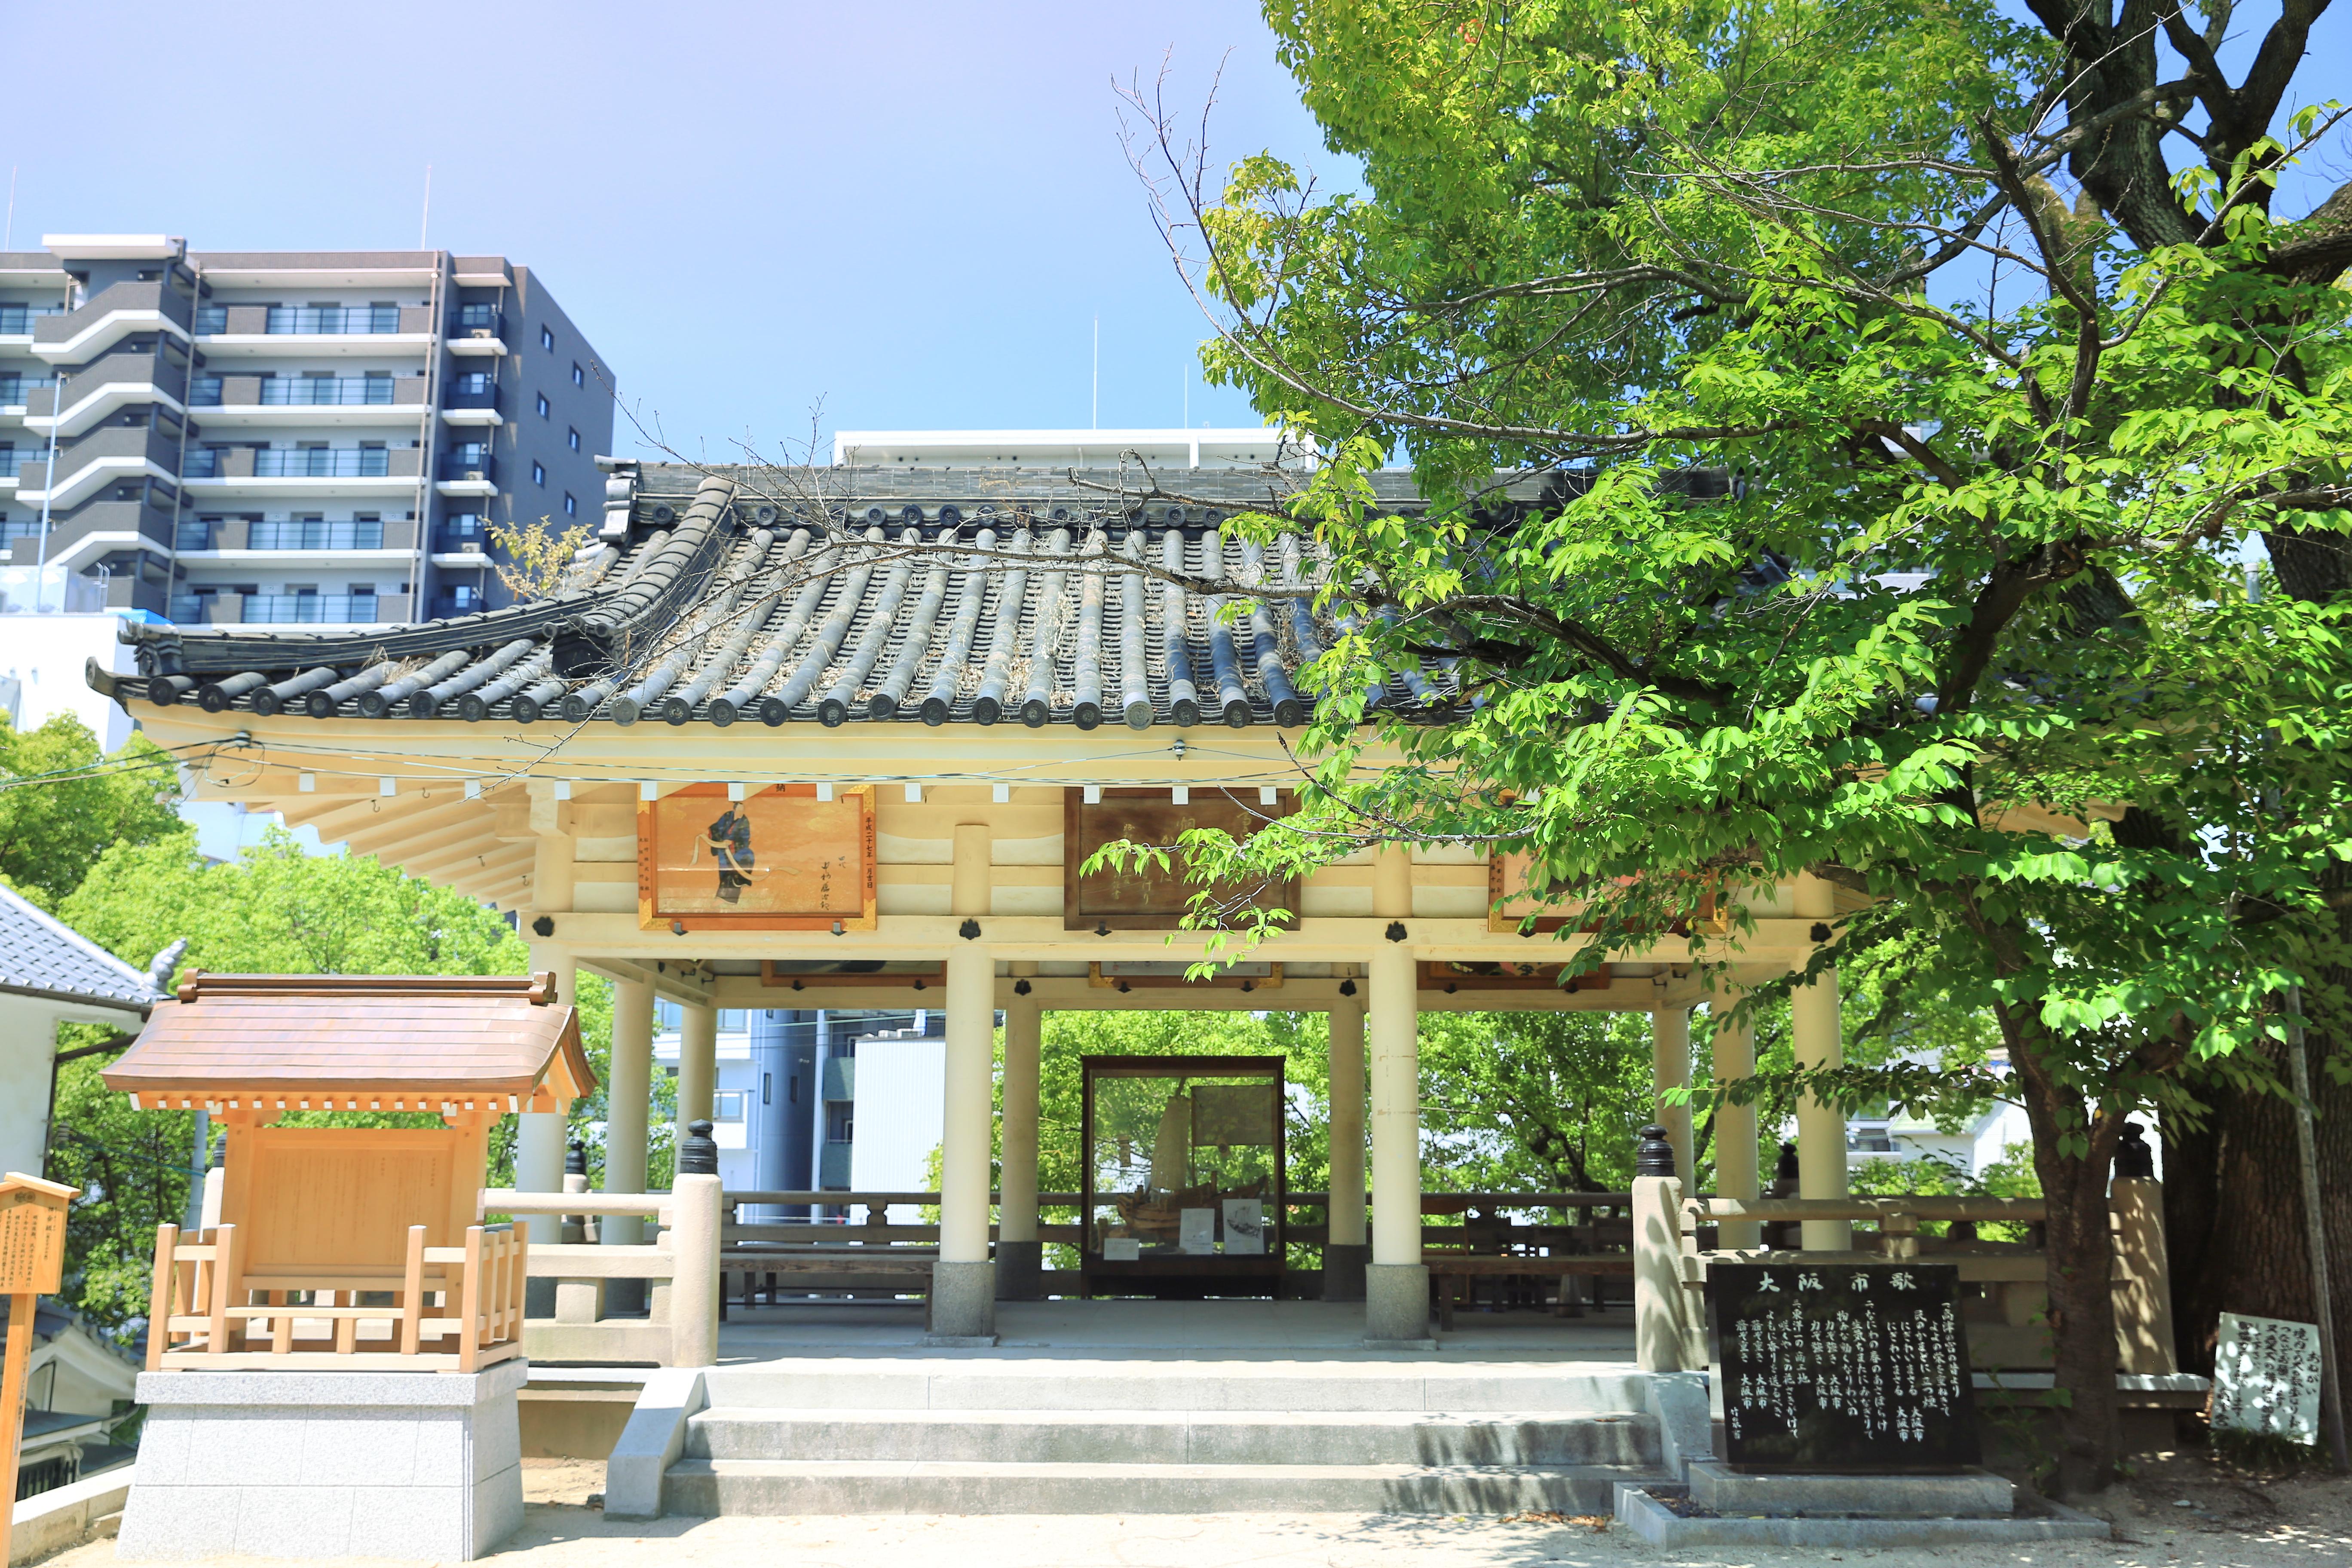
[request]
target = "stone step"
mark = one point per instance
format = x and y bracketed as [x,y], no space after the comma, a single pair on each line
[712,1486]
[1015,1382]
[1190,1438]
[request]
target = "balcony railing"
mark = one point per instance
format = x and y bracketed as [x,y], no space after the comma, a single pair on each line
[302,390]
[316,534]
[457,602]
[274,609]
[16,528]
[462,532]
[469,463]
[470,392]
[13,463]
[484,320]
[15,390]
[16,320]
[311,319]
[308,463]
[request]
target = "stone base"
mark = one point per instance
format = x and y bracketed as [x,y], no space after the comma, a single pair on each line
[1396,1301]
[963,1303]
[326,1464]
[1020,1270]
[1973,1493]
[1343,1270]
[1643,1509]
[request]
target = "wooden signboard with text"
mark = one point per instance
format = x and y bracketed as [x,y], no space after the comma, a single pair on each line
[32,1265]
[778,860]
[1148,898]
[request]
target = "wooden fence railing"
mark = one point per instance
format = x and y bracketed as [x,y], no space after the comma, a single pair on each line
[681,1264]
[450,1309]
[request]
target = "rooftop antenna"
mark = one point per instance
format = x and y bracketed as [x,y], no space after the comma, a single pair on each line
[422,222]
[1095,405]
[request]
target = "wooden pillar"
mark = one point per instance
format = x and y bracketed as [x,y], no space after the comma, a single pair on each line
[1735,1125]
[1346,1254]
[1670,1069]
[1819,1042]
[963,1284]
[1396,1285]
[1019,1256]
[963,1295]
[697,1067]
[628,1103]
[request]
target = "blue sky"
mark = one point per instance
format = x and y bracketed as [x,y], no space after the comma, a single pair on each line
[914,212]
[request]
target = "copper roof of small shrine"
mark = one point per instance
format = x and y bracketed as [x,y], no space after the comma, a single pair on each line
[320,1036]
[953,597]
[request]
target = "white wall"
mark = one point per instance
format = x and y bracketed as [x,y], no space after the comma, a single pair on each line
[45,654]
[901,1107]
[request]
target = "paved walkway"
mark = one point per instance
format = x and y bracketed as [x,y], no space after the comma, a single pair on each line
[1239,1330]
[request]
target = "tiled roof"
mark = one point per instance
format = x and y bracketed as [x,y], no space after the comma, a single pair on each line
[40,956]
[943,596]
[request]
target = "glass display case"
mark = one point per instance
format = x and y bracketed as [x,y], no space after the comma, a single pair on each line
[1181,1175]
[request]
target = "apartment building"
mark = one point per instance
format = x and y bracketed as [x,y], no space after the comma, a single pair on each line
[282,436]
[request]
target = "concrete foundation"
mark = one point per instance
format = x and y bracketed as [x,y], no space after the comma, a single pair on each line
[335,1464]
[1343,1271]
[1396,1304]
[1717,1488]
[1644,1511]
[1020,1270]
[963,1304]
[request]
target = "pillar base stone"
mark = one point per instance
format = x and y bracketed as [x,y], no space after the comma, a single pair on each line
[1396,1306]
[1020,1270]
[963,1305]
[1343,1270]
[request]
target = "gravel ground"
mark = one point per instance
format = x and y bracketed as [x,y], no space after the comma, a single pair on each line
[2234,1518]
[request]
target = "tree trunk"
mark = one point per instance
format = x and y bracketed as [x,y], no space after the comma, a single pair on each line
[2080,1242]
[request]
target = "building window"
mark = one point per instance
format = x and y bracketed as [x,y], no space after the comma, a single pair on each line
[543,405]
[727,1107]
[572,438]
[539,474]
[579,376]
[571,507]
[547,338]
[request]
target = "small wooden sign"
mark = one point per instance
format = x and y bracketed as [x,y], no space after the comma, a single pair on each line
[32,1234]
[778,860]
[32,1263]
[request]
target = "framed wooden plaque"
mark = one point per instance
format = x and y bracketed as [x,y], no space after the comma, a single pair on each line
[32,1234]
[778,860]
[1149,898]
[1480,975]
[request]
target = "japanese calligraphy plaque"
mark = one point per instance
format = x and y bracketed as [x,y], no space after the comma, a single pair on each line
[32,1239]
[2266,1374]
[1843,1367]
[778,858]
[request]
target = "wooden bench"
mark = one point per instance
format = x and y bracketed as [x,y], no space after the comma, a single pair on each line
[825,1269]
[1446,1270]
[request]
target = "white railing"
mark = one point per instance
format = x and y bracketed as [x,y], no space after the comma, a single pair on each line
[681,1265]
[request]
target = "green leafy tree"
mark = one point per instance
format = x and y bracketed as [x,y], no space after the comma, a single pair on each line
[62,803]
[1926,382]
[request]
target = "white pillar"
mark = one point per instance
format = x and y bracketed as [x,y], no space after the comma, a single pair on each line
[963,1294]
[1396,1285]
[1817,1039]
[1670,1069]
[697,1067]
[1735,1125]
[1019,1259]
[628,1102]
[539,1134]
[1344,1254]
[1347,1122]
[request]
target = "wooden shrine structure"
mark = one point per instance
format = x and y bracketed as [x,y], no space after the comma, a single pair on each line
[821,737]
[319,1225]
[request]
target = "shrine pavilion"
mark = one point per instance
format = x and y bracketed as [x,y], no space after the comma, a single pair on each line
[815,736]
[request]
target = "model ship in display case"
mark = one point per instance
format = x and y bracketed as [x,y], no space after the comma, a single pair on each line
[1184,1176]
